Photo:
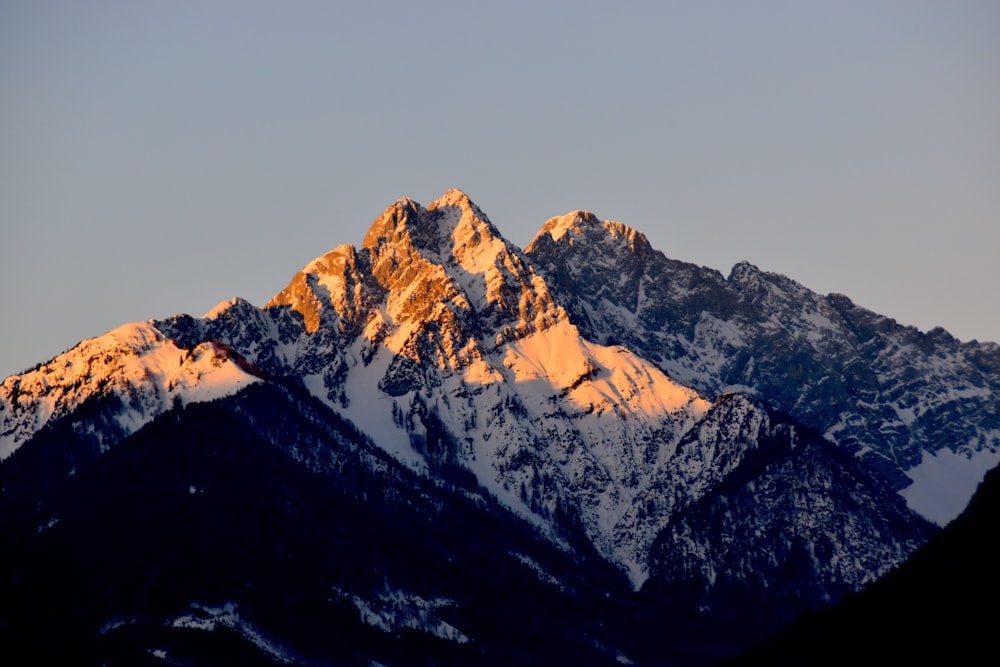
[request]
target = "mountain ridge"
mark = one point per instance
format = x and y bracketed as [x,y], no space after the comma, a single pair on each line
[880,389]
[555,382]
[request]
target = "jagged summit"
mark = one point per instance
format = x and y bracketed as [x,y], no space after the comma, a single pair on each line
[446,231]
[442,265]
[585,227]
[741,269]
[455,197]
[574,221]
[224,306]
[431,229]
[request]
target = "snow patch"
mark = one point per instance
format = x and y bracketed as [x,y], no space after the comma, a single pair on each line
[542,574]
[398,609]
[555,355]
[208,619]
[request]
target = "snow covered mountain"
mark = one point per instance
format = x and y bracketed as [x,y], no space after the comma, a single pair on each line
[612,424]
[921,408]
[136,365]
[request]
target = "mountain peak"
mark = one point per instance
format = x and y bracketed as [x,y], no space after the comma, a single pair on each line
[741,270]
[394,225]
[434,230]
[454,197]
[575,222]
[225,306]
[583,226]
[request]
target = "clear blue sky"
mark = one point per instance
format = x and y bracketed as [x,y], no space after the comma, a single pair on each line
[160,157]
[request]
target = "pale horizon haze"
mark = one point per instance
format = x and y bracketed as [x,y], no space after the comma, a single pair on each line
[161,157]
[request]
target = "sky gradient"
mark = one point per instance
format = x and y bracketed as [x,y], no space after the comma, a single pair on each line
[160,157]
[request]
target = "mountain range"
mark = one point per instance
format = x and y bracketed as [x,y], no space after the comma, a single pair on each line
[437,448]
